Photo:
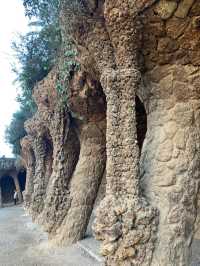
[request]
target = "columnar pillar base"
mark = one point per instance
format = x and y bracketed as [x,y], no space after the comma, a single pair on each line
[125,222]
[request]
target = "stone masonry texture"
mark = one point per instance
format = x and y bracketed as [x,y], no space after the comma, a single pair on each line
[133,116]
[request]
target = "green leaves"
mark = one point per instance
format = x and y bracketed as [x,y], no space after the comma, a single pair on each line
[67,66]
[45,10]
[16,131]
[36,53]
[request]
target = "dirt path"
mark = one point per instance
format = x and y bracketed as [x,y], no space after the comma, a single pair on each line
[24,244]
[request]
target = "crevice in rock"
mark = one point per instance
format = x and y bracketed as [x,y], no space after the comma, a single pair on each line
[141,122]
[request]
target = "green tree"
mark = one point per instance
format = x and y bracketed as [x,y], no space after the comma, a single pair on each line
[16,131]
[45,10]
[36,53]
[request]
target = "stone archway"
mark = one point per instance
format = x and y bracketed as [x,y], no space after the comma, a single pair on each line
[7,187]
[10,180]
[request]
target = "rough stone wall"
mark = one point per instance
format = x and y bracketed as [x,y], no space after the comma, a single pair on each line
[156,44]
[170,160]
[123,215]
[86,102]
[128,50]
[69,156]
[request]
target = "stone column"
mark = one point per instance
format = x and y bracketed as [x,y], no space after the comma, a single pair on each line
[39,189]
[17,186]
[125,222]
[57,202]
[171,176]
[29,157]
[85,182]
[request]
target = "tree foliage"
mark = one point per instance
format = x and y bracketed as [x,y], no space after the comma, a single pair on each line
[45,10]
[16,130]
[36,54]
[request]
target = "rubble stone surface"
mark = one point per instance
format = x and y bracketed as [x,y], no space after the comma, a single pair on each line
[130,51]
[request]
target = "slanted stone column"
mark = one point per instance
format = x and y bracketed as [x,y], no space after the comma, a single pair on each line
[85,182]
[39,180]
[57,203]
[29,158]
[17,186]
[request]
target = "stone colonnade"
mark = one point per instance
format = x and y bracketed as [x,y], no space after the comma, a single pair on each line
[14,176]
[129,48]
[149,49]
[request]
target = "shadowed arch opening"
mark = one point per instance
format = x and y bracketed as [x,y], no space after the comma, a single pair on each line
[7,189]
[22,180]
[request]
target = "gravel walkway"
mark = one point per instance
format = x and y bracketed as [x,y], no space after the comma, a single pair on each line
[23,243]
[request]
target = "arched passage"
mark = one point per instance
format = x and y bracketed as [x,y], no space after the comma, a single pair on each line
[7,189]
